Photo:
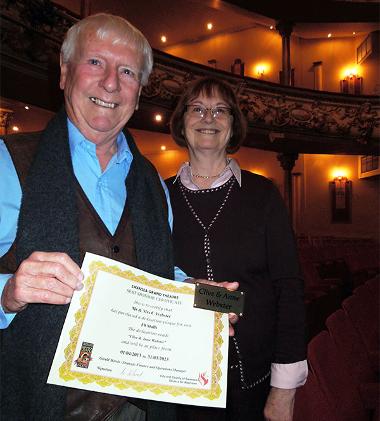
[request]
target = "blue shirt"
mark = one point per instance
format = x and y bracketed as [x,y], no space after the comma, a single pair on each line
[102,188]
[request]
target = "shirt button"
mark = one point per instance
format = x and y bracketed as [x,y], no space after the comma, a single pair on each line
[116,249]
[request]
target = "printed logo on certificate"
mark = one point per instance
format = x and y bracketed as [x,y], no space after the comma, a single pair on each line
[134,334]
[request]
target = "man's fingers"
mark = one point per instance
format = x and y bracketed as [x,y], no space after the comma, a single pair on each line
[43,277]
[56,294]
[36,289]
[62,258]
[57,265]
[53,285]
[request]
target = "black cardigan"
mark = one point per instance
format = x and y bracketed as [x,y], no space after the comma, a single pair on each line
[251,242]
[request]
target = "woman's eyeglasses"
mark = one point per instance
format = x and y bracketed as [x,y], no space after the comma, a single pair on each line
[200,112]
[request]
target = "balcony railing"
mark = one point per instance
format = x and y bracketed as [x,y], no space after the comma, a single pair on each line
[284,119]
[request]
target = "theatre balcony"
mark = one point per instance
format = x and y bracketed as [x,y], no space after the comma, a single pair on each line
[285,119]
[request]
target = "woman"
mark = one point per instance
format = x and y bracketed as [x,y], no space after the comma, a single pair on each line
[230,224]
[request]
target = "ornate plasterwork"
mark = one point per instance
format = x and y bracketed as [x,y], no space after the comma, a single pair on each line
[267,108]
[5,119]
[33,30]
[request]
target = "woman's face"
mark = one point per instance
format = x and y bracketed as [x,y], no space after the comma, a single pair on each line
[208,123]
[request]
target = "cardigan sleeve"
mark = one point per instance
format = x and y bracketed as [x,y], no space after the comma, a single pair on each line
[284,272]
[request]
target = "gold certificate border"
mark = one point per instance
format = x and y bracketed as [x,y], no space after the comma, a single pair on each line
[67,374]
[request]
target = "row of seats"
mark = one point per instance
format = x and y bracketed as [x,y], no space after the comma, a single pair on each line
[332,268]
[353,259]
[343,381]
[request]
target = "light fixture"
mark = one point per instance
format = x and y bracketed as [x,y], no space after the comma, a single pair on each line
[340,193]
[209,26]
[158,117]
[15,128]
[260,70]
[329,35]
[163,148]
[26,107]
[339,172]
[163,38]
[354,33]
[351,82]
[271,27]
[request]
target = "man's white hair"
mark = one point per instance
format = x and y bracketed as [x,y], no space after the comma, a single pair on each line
[105,25]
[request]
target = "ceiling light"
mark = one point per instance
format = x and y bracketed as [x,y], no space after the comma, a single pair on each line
[163,38]
[209,26]
[163,148]
[15,129]
[329,35]
[354,33]
[26,107]
[158,117]
[271,27]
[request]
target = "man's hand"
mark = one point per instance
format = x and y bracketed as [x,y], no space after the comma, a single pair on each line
[232,286]
[279,405]
[49,278]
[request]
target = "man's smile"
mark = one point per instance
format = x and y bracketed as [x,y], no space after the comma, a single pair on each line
[102,103]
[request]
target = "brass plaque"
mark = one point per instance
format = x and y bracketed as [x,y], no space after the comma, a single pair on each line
[210,297]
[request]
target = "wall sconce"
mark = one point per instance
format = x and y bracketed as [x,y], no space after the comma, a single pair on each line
[260,71]
[351,83]
[237,67]
[340,196]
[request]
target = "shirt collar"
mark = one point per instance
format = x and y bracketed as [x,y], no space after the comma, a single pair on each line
[184,173]
[77,140]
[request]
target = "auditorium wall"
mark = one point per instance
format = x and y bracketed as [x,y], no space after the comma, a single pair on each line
[316,171]
[261,45]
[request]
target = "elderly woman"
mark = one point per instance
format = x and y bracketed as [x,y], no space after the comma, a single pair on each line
[230,224]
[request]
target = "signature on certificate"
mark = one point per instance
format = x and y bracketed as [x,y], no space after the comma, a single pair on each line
[132,372]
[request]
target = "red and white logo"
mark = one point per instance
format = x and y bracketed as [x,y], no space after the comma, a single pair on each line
[202,378]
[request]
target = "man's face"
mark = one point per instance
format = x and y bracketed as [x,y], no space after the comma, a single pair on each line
[101,85]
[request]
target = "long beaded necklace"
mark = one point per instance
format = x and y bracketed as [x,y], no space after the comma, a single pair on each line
[244,384]
[206,229]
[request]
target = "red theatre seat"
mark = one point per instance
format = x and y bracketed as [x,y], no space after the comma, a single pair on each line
[310,403]
[350,347]
[362,309]
[343,397]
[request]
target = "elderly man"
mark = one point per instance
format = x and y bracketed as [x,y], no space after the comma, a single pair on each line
[84,187]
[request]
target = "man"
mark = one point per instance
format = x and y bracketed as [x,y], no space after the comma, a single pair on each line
[85,187]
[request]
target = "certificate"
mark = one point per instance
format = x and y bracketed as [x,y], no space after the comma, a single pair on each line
[131,333]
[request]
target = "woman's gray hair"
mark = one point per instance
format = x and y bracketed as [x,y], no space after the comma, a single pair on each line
[104,24]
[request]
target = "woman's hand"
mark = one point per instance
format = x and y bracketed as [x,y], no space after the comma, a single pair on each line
[231,286]
[279,405]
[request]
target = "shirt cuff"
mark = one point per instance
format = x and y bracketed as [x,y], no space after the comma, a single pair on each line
[5,318]
[179,274]
[289,376]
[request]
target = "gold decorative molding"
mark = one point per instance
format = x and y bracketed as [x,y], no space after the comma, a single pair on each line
[281,118]
[5,119]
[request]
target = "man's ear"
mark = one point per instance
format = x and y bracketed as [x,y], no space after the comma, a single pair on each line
[64,70]
[138,98]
